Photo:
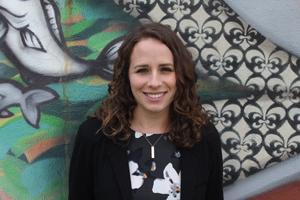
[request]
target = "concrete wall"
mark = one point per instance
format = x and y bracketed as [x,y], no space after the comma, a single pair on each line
[277,20]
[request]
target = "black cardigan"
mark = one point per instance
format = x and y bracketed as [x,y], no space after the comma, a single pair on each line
[99,168]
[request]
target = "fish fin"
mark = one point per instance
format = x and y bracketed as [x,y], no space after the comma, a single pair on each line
[53,15]
[108,56]
[30,40]
[30,104]
[9,96]
[112,52]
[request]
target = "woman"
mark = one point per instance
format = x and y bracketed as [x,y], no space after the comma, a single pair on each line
[151,138]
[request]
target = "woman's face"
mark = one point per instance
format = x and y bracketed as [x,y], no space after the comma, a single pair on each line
[152,76]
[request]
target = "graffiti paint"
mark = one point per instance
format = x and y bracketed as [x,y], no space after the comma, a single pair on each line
[47,63]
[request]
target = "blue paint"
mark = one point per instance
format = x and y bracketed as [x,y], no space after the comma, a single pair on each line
[18,128]
[77,92]
[41,174]
[12,132]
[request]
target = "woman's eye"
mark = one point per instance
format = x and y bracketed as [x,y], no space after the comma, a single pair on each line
[142,70]
[167,69]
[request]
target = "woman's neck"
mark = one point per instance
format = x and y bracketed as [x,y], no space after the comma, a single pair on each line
[150,122]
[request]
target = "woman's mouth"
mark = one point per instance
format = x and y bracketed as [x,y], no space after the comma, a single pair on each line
[154,96]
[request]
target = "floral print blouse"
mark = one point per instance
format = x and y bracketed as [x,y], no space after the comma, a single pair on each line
[157,178]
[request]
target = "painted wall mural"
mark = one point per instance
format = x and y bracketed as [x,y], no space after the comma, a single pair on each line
[56,58]
[52,53]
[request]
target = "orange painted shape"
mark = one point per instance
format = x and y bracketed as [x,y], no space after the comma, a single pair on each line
[4,196]
[73,19]
[35,151]
[116,27]
[77,43]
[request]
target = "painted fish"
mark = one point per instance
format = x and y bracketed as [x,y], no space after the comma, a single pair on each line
[33,37]
[13,94]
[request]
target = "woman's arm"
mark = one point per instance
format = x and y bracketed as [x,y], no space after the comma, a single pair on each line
[215,182]
[81,168]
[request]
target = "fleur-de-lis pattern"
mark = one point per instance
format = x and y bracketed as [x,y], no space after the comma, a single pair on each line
[295,65]
[199,32]
[218,8]
[231,169]
[225,114]
[264,116]
[283,91]
[257,131]
[294,117]
[280,146]
[258,84]
[242,146]
[137,8]
[178,9]
[221,63]
[238,33]
[261,61]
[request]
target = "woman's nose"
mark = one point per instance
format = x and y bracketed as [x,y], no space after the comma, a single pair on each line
[155,80]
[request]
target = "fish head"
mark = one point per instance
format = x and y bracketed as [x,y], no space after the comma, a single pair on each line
[32,14]
[16,11]
[16,7]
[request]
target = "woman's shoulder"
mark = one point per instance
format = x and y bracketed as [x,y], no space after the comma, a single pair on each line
[210,133]
[90,130]
[210,137]
[210,142]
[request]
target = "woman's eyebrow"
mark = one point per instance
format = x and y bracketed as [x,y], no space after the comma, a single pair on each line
[140,66]
[166,65]
[146,65]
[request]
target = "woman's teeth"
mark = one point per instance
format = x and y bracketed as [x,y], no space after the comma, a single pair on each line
[154,96]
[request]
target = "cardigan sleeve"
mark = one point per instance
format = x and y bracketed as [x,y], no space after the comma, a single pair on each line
[215,182]
[81,167]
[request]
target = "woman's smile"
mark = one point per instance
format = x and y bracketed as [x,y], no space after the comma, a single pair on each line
[155,96]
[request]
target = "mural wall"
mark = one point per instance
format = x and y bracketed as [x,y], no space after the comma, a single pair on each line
[56,59]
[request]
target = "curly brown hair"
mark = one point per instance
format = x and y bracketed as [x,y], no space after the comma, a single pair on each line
[186,112]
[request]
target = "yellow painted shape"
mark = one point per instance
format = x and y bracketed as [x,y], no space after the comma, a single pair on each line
[1,172]
[7,62]
[4,121]
[93,80]
[77,43]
